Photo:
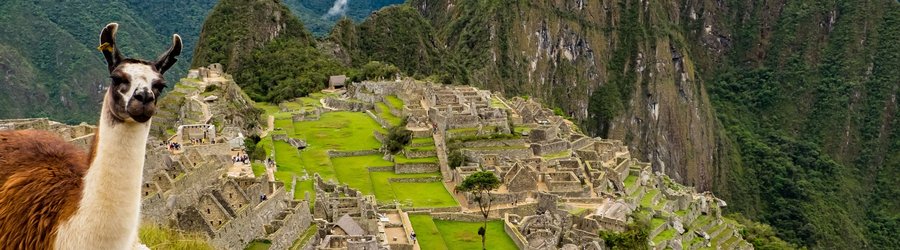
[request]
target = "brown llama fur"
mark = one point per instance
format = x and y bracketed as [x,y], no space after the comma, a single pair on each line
[37,168]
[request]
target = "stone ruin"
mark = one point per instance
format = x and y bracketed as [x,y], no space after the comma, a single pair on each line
[190,192]
[350,220]
[81,135]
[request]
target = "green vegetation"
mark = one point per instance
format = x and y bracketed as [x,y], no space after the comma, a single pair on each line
[52,61]
[333,131]
[383,111]
[258,245]
[396,35]
[456,159]
[441,234]
[156,237]
[480,184]
[395,102]
[400,158]
[427,233]
[635,237]
[315,13]
[305,237]
[375,70]
[237,34]
[397,138]
[814,154]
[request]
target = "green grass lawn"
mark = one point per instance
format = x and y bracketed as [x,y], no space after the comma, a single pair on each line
[423,141]
[384,112]
[258,168]
[346,131]
[395,102]
[427,233]
[496,103]
[354,170]
[441,234]
[400,158]
[647,201]
[258,245]
[428,194]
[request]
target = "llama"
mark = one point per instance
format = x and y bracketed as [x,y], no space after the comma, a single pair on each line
[53,195]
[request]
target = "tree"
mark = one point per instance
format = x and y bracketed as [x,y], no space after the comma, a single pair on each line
[398,137]
[480,185]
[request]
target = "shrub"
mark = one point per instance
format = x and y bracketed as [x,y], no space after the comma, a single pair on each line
[211,88]
[397,138]
[456,159]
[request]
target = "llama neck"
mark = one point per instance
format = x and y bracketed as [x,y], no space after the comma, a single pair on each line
[109,212]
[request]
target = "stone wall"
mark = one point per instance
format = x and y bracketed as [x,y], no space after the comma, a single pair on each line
[381,169]
[419,153]
[338,153]
[514,233]
[582,143]
[421,133]
[514,153]
[416,180]
[415,168]
[379,136]
[493,143]
[550,148]
[346,104]
[295,224]
[499,198]
[249,224]
[382,122]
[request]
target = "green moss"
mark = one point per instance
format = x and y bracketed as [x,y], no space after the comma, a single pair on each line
[156,237]
[564,153]
[258,245]
[395,102]
[667,234]
[647,201]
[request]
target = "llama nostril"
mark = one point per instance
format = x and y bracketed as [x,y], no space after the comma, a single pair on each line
[143,96]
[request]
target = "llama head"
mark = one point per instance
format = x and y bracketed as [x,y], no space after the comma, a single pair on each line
[136,83]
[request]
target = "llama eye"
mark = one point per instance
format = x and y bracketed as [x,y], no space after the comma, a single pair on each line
[159,85]
[118,79]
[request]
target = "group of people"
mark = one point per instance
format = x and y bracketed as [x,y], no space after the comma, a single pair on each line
[244,158]
[174,146]
[197,141]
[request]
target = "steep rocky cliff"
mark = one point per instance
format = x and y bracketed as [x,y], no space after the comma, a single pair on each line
[630,56]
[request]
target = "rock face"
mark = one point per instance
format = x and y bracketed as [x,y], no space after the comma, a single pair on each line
[566,53]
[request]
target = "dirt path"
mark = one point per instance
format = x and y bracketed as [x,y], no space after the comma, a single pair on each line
[270,122]
[204,107]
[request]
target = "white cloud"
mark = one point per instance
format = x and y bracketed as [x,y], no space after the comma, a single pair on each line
[338,9]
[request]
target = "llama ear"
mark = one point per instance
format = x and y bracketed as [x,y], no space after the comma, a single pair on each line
[108,46]
[166,60]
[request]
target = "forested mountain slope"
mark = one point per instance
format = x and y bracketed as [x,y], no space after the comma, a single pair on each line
[320,15]
[48,55]
[49,64]
[267,49]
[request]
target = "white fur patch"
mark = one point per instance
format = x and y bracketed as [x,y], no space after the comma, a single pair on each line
[140,76]
[109,212]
